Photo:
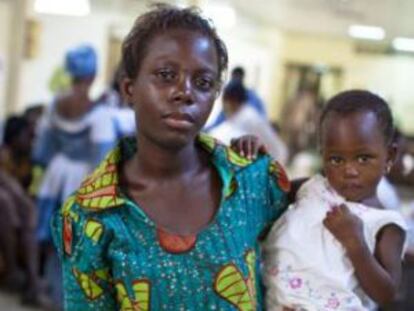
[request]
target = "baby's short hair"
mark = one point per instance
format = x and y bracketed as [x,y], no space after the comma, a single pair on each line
[353,101]
[160,19]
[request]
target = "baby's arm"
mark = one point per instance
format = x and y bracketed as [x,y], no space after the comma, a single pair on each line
[379,275]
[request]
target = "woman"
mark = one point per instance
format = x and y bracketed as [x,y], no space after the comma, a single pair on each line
[169,220]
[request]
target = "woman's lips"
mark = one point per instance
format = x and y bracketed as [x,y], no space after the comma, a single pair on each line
[178,120]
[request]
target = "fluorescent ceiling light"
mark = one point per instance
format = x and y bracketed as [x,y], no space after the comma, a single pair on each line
[223,15]
[366,32]
[403,44]
[63,7]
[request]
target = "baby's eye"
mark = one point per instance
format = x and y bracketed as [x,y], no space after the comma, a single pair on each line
[334,160]
[363,158]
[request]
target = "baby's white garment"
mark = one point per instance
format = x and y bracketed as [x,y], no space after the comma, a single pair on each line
[306,268]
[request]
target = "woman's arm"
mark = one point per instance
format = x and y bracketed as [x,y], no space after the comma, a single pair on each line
[87,284]
[250,146]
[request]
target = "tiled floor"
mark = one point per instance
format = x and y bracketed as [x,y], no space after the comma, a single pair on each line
[11,303]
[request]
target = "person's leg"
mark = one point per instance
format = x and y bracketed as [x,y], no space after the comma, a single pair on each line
[29,248]
[24,210]
[30,262]
[8,241]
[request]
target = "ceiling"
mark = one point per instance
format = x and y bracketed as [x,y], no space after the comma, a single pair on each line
[328,17]
[332,17]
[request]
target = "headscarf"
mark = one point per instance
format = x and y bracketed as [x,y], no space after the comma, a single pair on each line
[81,62]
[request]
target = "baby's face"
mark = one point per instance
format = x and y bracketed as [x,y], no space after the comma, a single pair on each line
[354,154]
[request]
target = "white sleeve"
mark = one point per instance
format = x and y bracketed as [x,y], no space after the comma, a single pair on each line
[388,217]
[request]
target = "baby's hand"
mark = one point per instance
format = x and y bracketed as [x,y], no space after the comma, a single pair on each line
[248,146]
[346,227]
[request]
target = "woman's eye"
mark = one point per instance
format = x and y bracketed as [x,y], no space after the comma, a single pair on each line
[204,84]
[165,75]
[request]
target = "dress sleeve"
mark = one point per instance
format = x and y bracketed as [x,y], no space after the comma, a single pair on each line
[271,188]
[81,241]
[278,185]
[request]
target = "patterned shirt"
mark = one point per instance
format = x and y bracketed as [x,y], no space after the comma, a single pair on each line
[116,258]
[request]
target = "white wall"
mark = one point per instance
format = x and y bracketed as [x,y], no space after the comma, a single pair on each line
[391,77]
[388,75]
[57,35]
[5,18]
[255,49]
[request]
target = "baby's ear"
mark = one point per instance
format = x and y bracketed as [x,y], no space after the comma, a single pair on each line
[392,151]
[392,155]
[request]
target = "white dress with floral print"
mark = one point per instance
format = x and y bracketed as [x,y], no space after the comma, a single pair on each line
[306,268]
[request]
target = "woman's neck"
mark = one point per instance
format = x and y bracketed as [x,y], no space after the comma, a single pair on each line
[155,161]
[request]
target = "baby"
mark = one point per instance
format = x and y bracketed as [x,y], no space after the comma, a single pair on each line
[336,248]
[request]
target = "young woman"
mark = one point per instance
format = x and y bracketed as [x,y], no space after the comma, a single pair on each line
[169,220]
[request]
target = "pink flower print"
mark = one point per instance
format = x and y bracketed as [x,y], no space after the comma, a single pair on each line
[295,283]
[332,303]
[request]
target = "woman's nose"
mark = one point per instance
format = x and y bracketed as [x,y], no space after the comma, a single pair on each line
[183,92]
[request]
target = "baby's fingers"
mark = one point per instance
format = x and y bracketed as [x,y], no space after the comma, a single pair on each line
[246,146]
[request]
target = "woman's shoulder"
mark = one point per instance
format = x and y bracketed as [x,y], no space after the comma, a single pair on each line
[100,191]
[255,171]
[223,155]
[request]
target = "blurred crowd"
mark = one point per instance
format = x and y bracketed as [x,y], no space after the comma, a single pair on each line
[45,154]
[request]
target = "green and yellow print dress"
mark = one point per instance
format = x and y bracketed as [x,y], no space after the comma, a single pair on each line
[116,258]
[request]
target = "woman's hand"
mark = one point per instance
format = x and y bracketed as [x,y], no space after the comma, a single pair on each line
[248,146]
[345,226]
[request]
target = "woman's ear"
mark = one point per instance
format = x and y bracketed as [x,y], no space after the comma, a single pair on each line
[127,85]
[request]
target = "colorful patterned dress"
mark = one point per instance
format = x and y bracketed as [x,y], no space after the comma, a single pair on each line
[116,258]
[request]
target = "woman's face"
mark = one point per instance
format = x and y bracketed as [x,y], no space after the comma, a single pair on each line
[175,88]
